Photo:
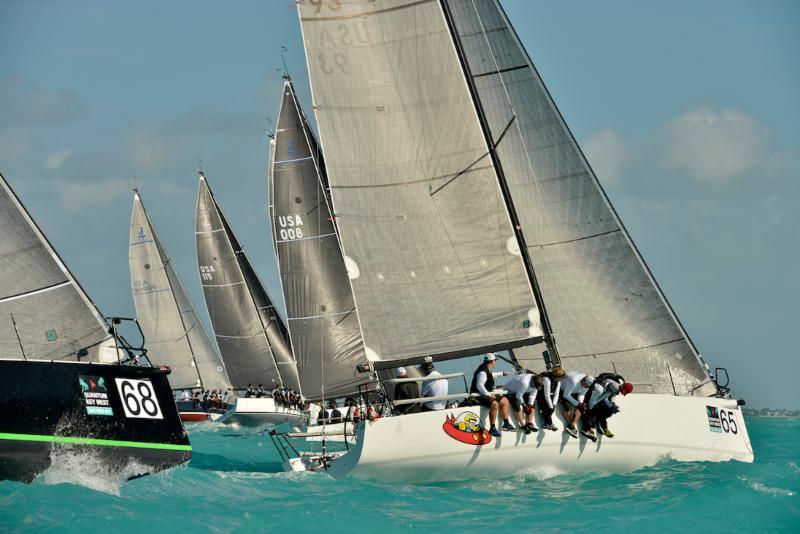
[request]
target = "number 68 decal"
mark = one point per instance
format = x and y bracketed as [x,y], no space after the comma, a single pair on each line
[138,398]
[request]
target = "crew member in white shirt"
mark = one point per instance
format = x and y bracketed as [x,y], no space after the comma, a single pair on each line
[521,395]
[573,391]
[433,387]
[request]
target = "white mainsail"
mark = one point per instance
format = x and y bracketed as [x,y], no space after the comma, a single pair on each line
[174,333]
[44,312]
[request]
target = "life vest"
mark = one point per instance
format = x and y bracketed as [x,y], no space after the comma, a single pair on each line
[489,384]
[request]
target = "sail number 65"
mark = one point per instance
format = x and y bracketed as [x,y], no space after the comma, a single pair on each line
[138,398]
[727,419]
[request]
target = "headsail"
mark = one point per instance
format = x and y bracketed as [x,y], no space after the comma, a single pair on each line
[252,338]
[605,307]
[44,312]
[321,314]
[428,243]
[174,333]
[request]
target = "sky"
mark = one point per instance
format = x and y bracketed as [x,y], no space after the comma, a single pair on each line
[688,112]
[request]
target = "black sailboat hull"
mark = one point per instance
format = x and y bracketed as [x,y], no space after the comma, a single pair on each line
[61,409]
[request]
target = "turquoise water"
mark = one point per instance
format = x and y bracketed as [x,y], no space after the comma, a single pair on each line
[235,483]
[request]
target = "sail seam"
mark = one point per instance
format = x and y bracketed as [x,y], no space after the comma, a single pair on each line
[411,182]
[319,316]
[35,291]
[576,239]
[293,160]
[626,350]
[224,285]
[142,242]
[501,71]
[366,13]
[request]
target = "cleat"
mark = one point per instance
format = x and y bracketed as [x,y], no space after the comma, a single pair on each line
[550,426]
[607,433]
[532,427]
[507,427]
[526,429]
[589,435]
[494,432]
[571,430]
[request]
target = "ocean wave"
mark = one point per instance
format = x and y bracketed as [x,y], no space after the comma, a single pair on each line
[763,488]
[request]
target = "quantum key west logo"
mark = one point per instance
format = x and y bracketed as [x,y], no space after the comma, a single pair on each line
[714,422]
[95,395]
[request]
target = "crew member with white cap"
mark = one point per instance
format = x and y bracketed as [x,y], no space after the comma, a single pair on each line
[573,392]
[405,390]
[433,387]
[483,387]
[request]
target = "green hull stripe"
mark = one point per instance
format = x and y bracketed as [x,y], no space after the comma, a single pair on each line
[94,441]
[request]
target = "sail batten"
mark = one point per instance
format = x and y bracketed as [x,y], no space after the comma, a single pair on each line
[605,307]
[252,338]
[174,332]
[431,273]
[321,315]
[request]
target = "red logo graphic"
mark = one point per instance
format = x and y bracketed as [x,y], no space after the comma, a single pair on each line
[466,429]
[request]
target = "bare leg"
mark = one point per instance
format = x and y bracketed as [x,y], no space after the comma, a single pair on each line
[493,413]
[519,418]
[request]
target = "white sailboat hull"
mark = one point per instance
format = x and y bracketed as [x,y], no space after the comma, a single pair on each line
[260,412]
[336,432]
[649,428]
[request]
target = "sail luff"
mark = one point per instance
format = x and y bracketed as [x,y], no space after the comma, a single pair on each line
[425,233]
[36,279]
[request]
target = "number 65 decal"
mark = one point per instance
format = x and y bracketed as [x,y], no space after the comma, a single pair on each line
[728,420]
[138,398]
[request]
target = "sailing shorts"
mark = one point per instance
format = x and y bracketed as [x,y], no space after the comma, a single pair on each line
[515,404]
[484,400]
[567,404]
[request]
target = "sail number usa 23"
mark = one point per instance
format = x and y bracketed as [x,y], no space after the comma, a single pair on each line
[138,399]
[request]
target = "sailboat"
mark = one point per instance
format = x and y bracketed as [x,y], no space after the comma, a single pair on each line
[70,383]
[251,336]
[470,222]
[175,334]
[323,323]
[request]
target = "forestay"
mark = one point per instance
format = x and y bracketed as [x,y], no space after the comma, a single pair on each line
[44,313]
[252,339]
[173,332]
[321,315]
[606,310]
[429,247]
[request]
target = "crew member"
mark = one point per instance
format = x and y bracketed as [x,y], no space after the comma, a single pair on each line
[405,390]
[521,396]
[573,391]
[548,389]
[604,409]
[250,392]
[483,387]
[433,387]
[336,415]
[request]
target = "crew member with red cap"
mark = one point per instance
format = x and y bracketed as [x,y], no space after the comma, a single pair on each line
[605,407]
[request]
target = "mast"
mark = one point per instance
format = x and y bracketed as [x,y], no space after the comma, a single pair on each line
[549,337]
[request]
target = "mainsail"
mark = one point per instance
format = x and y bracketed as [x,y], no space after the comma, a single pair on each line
[412,98]
[432,256]
[604,305]
[174,333]
[252,339]
[44,312]
[322,319]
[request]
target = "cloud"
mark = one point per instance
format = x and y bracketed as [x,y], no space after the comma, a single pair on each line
[57,158]
[23,103]
[714,147]
[75,197]
[607,153]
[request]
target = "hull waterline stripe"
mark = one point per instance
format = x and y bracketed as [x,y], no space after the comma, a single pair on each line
[94,441]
